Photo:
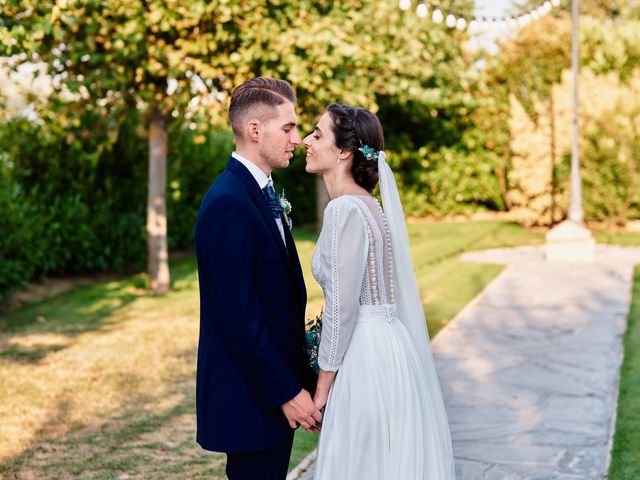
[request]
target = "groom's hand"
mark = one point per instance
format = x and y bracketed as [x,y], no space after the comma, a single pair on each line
[301,410]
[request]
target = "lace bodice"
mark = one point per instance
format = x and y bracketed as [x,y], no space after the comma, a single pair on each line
[353,264]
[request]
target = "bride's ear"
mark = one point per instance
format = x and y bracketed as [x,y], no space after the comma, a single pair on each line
[344,155]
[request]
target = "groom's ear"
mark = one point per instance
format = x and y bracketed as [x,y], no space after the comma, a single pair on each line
[254,130]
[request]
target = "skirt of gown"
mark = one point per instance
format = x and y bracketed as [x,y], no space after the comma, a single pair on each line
[378,424]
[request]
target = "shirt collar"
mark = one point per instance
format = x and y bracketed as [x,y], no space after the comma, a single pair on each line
[261,178]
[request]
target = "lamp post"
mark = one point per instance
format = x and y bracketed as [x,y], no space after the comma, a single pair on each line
[576,213]
[571,241]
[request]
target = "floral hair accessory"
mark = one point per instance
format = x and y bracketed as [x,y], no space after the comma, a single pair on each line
[371,153]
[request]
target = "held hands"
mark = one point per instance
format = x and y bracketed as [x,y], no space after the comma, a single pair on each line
[301,410]
[320,398]
[325,380]
[323,387]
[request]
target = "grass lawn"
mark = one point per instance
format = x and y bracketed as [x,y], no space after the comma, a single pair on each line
[98,382]
[625,459]
[616,238]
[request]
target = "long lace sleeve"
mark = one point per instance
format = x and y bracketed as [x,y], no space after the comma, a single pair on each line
[347,257]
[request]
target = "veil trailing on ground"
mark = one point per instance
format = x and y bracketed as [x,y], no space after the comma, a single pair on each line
[410,310]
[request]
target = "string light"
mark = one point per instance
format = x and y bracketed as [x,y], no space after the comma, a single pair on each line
[450,21]
[422,11]
[473,23]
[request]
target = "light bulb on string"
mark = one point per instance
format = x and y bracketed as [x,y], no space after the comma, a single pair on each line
[513,23]
[547,6]
[437,16]
[405,5]
[422,11]
[555,3]
[483,24]
[535,15]
[461,24]
[450,21]
[474,26]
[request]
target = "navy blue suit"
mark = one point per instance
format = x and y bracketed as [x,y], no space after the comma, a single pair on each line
[252,304]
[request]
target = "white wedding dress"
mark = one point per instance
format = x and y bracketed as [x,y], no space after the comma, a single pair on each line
[385,418]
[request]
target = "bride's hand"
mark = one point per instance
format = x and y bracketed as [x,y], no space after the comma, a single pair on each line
[320,398]
[325,380]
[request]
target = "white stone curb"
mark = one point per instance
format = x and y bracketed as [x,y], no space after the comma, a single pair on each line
[302,466]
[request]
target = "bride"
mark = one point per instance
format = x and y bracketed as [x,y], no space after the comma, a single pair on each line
[384,418]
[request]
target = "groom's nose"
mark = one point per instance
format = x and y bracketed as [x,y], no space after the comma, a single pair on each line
[295,137]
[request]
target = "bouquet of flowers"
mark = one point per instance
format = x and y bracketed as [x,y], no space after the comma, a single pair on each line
[313,330]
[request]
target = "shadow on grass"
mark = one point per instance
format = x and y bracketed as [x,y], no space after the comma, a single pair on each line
[81,310]
[141,439]
[20,354]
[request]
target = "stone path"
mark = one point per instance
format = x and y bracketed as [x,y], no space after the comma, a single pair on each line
[529,369]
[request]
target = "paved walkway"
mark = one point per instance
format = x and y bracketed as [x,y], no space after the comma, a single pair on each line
[529,369]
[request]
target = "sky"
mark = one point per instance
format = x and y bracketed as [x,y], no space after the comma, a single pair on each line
[490,8]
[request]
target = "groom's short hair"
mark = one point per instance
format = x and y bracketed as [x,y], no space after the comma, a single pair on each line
[259,98]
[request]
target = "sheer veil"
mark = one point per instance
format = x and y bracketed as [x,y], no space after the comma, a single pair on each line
[411,312]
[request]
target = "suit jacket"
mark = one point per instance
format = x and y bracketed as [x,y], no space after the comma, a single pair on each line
[252,304]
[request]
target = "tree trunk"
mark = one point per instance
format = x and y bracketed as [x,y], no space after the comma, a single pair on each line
[322,198]
[502,175]
[156,205]
[552,146]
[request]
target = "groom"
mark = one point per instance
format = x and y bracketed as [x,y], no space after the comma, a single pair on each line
[251,363]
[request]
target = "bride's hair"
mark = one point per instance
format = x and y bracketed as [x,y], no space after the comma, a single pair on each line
[354,128]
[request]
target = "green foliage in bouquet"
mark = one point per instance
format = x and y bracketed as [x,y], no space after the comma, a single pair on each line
[313,332]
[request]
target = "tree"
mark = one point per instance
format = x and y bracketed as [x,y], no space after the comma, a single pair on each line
[523,81]
[179,59]
[530,77]
[117,56]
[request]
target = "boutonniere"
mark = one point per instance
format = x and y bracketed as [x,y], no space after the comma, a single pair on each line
[286,208]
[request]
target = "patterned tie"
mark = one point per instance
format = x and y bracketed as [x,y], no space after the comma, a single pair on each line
[274,201]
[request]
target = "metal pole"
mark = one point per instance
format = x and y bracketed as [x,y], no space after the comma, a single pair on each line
[576,213]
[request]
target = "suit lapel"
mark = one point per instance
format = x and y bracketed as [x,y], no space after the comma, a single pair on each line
[258,197]
[294,261]
[291,248]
